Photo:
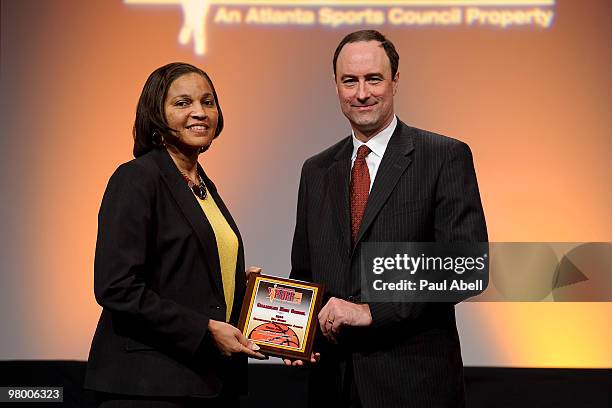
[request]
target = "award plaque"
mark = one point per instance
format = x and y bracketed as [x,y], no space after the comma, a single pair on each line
[280,315]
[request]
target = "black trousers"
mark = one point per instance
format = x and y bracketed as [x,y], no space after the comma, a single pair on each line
[334,387]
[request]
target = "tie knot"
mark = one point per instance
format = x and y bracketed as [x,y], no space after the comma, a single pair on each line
[362,152]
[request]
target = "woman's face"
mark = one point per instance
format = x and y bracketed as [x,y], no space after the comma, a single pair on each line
[191,111]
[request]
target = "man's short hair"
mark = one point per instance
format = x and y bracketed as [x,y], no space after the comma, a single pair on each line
[370,35]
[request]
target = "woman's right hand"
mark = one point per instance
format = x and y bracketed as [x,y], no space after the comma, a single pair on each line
[314,358]
[229,340]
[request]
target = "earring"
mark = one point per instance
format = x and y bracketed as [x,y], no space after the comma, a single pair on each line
[157,140]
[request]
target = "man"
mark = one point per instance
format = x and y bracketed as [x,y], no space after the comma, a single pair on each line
[387,182]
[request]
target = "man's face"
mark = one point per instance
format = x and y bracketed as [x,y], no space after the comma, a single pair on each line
[365,87]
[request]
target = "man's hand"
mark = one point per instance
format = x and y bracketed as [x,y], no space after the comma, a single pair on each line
[252,270]
[337,313]
[314,357]
[229,340]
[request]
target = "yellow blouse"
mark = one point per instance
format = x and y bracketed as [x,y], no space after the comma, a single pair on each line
[227,246]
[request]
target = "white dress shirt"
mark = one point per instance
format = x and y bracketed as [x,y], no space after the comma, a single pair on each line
[377,144]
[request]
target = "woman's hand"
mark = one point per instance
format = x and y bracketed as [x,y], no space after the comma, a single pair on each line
[229,340]
[314,358]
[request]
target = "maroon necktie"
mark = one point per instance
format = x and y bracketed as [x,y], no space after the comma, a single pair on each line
[360,189]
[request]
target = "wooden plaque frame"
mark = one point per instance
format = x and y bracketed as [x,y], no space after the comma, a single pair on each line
[291,331]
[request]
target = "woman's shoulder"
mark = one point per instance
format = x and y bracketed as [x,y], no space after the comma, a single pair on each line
[142,169]
[144,165]
[136,183]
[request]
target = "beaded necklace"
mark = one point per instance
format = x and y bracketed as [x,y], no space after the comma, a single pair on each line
[198,189]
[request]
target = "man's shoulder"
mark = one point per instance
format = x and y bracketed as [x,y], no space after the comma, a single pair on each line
[428,139]
[435,146]
[328,156]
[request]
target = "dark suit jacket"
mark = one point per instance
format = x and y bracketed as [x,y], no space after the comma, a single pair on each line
[157,277]
[425,191]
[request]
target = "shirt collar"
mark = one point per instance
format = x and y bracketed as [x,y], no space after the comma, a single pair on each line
[378,143]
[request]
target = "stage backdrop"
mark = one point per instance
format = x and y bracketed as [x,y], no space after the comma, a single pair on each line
[525,83]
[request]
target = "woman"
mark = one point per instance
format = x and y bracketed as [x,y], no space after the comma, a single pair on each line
[169,261]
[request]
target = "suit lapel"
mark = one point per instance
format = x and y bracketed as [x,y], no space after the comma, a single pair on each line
[394,163]
[193,213]
[338,184]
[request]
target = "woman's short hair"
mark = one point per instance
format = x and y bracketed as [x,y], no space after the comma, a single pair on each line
[150,125]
